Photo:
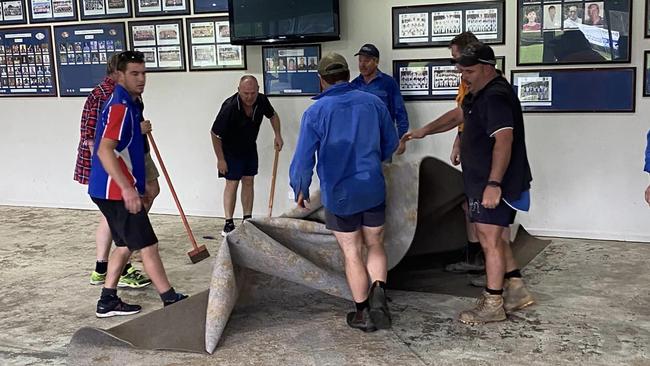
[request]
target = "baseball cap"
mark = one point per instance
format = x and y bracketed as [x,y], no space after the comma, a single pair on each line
[332,63]
[368,49]
[476,53]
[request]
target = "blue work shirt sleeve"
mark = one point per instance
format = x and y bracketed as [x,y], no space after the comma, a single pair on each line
[399,110]
[389,139]
[304,158]
[647,154]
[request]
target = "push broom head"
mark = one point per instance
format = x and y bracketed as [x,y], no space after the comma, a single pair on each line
[198,254]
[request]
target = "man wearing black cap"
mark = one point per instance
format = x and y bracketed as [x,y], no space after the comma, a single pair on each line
[496,175]
[374,81]
[347,125]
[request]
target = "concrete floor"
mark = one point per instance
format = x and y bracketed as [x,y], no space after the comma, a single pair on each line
[594,307]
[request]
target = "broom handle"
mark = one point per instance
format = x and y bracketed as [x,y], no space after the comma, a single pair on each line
[275,171]
[171,188]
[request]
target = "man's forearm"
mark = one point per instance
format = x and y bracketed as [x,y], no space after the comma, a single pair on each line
[500,158]
[275,123]
[445,122]
[216,145]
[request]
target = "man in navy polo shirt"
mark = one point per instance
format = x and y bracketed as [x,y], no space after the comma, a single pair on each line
[351,133]
[372,80]
[234,135]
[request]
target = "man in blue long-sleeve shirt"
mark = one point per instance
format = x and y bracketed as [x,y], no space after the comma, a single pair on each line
[647,167]
[372,80]
[351,132]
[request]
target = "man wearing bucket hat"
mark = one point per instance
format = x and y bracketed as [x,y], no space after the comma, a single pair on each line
[348,125]
[372,80]
[496,176]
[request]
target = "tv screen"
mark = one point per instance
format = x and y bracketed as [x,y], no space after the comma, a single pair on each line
[283,21]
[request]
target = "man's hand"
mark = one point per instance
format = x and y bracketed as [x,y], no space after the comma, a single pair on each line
[647,195]
[132,200]
[455,154]
[91,146]
[402,147]
[145,126]
[278,143]
[302,202]
[222,166]
[491,197]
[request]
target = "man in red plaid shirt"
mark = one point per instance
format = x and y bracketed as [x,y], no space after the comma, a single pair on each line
[131,277]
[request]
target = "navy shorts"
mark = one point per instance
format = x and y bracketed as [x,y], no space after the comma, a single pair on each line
[373,217]
[502,215]
[241,166]
[129,230]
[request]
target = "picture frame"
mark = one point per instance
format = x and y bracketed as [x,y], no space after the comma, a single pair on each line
[647,19]
[646,73]
[162,43]
[435,25]
[51,11]
[291,70]
[209,47]
[82,52]
[105,9]
[156,8]
[576,90]
[210,6]
[13,12]
[27,62]
[430,79]
[570,32]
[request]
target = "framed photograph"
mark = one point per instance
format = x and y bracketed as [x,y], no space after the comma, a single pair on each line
[12,12]
[647,19]
[436,25]
[646,74]
[27,63]
[576,90]
[209,47]
[210,6]
[291,70]
[551,32]
[161,41]
[102,9]
[154,8]
[48,11]
[430,79]
[82,52]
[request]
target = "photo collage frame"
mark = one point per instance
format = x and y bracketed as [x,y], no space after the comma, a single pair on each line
[161,42]
[291,70]
[12,12]
[209,48]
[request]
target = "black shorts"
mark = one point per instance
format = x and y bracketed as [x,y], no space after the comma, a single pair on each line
[502,215]
[239,166]
[129,230]
[373,217]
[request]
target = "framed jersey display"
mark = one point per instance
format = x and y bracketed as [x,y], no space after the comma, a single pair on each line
[430,79]
[291,70]
[553,32]
[210,6]
[82,52]
[154,8]
[209,47]
[12,12]
[161,41]
[436,25]
[48,11]
[102,9]
[576,90]
[26,63]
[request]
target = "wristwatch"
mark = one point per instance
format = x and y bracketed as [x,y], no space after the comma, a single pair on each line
[494,183]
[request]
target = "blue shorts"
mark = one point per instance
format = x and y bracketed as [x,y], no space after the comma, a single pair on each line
[373,217]
[240,166]
[502,215]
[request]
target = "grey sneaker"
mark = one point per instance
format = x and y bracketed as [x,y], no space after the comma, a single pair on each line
[515,295]
[489,308]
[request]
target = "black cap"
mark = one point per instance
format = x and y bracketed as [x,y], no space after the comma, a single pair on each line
[476,53]
[369,50]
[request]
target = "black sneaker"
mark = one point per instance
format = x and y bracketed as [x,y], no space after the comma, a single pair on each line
[227,228]
[361,320]
[115,306]
[379,313]
[178,298]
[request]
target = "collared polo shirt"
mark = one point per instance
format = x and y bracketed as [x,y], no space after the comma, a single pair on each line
[386,88]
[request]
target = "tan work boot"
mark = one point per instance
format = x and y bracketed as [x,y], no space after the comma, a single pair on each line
[515,295]
[489,308]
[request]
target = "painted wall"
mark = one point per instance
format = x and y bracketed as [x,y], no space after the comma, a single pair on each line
[587,168]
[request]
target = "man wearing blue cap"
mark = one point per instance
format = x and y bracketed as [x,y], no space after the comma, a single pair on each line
[372,80]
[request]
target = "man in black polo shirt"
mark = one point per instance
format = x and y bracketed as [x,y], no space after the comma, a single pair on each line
[234,135]
[496,175]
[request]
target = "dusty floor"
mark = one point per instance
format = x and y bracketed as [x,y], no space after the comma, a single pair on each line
[594,307]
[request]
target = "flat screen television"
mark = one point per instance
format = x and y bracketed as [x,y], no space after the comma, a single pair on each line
[283,21]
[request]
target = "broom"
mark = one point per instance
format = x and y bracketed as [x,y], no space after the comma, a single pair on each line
[275,171]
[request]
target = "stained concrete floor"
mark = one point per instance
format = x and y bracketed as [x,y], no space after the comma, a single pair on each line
[594,307]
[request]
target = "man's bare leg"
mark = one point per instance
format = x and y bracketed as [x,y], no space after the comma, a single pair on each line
[376,262]
[103,239]
[247,195]
[355,269]
[230,197]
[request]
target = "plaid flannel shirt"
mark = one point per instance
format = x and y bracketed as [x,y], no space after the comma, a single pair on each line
[92,109]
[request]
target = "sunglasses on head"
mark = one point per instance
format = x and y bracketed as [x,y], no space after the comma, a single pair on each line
[131,55]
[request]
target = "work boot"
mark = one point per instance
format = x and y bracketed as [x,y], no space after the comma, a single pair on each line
[361,320]
[489,308]
[379,312]
[515,295]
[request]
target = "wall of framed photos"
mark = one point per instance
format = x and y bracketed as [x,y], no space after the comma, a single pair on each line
[579,160]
